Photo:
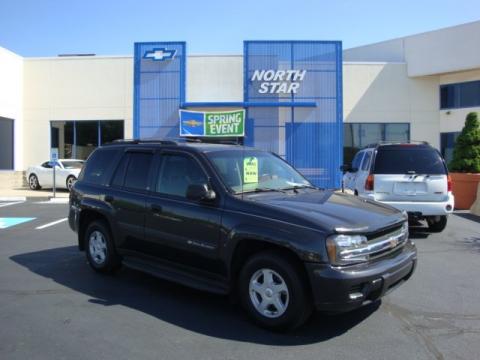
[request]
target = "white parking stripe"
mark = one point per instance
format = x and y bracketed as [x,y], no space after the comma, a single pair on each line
[10,203]
[50,224]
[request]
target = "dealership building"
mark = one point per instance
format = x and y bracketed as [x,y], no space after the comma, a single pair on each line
[311,102]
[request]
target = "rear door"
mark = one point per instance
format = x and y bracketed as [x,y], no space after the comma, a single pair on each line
[410,173]
[350,177]
[127,196]
[363,171]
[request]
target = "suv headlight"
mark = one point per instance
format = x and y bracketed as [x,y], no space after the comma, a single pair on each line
[339,247]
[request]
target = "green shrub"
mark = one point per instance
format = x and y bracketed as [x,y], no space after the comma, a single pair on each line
[466,154]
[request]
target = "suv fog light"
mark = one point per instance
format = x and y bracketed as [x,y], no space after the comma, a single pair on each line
[448,207]
[355,296]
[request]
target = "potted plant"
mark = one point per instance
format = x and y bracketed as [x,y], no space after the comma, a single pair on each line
[465,165]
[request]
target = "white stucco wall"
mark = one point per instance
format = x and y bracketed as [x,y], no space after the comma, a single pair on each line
[454,119]
[214,78]
[382,92]
[435,52]
[73,88]
[11,90]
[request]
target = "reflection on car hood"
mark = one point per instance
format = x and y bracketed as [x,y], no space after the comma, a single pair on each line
[335,212]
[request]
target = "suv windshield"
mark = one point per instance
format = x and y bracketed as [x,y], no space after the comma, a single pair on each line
[409,161]
[253,170]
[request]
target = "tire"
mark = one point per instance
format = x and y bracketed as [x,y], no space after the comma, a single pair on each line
[33,182]
[437,223]
[100,249]
[70,182]
[287,304]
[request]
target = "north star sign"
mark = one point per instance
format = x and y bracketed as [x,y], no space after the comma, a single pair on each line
[279,81]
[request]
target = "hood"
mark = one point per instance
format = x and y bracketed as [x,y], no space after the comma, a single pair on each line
[334,212]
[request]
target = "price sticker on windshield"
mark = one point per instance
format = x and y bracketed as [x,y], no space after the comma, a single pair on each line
[250,170]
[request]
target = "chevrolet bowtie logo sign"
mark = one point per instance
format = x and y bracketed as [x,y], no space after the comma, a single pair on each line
[161,54]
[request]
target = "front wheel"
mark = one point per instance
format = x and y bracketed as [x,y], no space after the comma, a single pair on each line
[100,249]
[437,223]
[70,181]
[274,292]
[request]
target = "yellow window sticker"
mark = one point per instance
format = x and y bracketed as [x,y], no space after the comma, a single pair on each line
[250,170]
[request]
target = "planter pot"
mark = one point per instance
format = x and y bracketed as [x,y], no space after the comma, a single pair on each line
[464,188]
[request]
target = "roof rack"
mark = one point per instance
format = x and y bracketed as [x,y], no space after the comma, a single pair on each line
[176,141]
[396,143]
[143,141]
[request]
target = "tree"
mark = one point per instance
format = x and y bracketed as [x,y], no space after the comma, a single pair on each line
[466,153]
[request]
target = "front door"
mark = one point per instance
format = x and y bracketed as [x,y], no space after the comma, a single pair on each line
[178,229]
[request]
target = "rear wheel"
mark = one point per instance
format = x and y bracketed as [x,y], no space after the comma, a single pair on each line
[437,223]
[274,292]
[33,182]
[100,249]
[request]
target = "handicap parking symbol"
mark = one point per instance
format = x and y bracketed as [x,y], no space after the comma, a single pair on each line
[12,221]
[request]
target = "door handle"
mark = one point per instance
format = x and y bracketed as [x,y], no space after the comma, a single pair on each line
[109,198]
[156,209]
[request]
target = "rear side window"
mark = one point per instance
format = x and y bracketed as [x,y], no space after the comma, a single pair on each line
[409,161]
[98,166]
[138,169]
[366,161]
[357,160]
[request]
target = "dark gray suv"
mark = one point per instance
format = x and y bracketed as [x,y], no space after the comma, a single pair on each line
[239,221]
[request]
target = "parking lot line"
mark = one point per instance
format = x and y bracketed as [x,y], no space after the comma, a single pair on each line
[50,224]
[10,203]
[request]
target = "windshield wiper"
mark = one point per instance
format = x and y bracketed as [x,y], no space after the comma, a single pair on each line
[303,186]
[257,190]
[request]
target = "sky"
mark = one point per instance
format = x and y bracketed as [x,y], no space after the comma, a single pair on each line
[110,27]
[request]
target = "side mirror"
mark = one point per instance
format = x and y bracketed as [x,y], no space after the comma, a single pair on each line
[345,168]
[199,192]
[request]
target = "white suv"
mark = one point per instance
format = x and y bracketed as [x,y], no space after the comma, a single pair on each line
[407,176]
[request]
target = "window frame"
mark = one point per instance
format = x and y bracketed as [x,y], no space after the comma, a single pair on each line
[457,95]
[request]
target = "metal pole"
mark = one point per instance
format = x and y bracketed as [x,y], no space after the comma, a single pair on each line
[54,185]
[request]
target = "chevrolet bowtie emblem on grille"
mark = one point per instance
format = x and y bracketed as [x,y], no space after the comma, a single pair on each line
[192,123]
[160,54]
[393,242]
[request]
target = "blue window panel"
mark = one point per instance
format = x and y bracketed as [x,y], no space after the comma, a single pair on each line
[311,138]
[159,89]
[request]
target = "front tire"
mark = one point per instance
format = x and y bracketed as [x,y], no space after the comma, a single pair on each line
[70,182]
[33,183]
[273,291]
[437,223]
[99,248]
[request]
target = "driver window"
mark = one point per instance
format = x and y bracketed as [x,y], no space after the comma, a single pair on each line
[176,173]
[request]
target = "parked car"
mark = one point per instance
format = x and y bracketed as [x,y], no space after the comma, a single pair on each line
[238,221]
[408,176]
[66,173]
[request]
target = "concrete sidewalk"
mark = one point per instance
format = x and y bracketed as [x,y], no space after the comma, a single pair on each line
[20,194]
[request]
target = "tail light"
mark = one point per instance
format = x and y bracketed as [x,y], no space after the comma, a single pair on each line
[369,183]
[449,183]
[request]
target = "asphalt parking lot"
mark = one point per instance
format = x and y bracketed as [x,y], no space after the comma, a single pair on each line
[52,306]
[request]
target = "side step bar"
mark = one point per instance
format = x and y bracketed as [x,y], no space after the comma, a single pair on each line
[192,278]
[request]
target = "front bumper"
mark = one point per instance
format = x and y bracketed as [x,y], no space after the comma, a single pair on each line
[340,289]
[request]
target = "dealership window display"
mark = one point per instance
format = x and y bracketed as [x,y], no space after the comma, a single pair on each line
[77,139]
[358,135]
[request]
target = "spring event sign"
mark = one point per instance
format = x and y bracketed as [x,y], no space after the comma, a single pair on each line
[224,123]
